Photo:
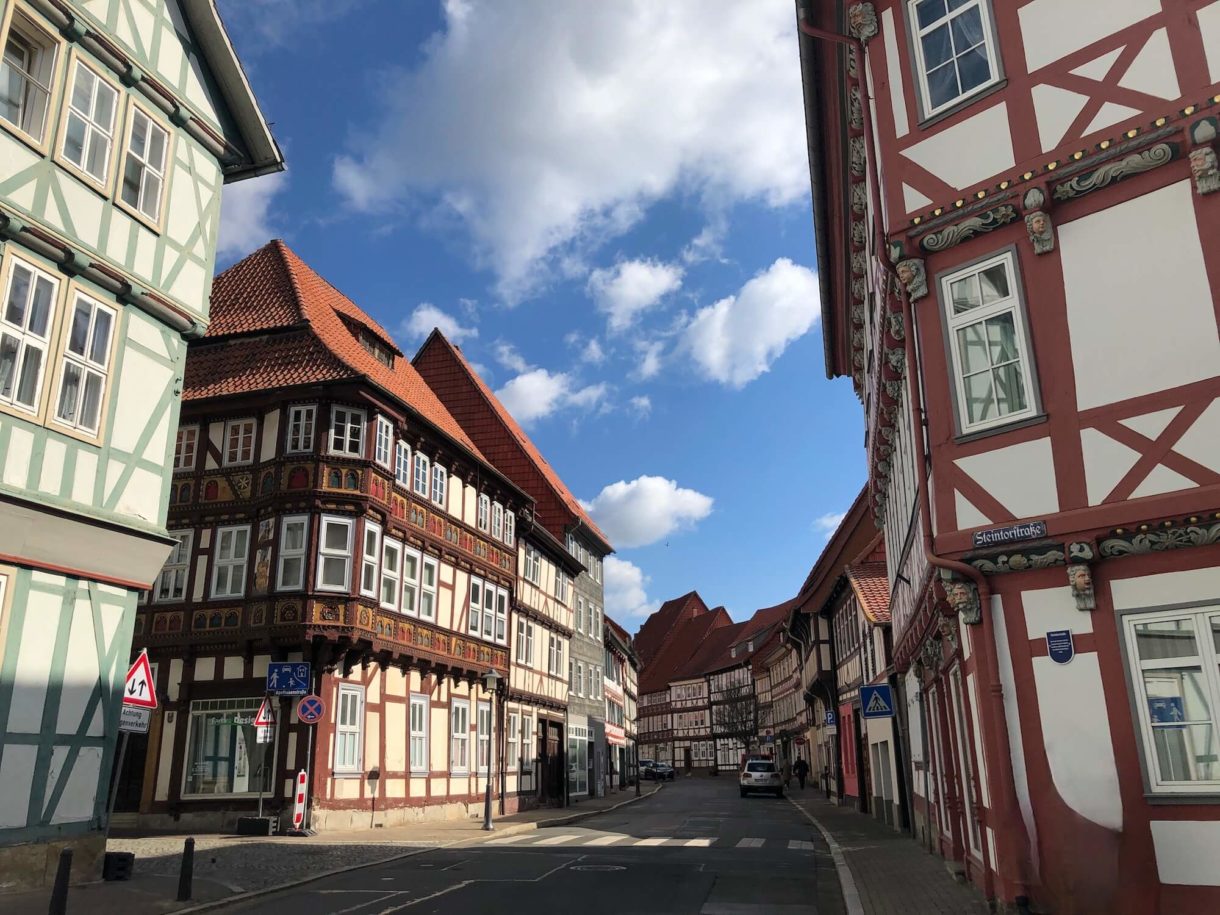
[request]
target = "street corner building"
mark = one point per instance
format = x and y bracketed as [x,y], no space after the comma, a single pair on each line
[1016,215]
[120,122]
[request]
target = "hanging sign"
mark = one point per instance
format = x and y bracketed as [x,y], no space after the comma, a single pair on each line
[1060,646]
[1014,533]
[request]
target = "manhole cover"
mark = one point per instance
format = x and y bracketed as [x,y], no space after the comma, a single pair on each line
[597,867]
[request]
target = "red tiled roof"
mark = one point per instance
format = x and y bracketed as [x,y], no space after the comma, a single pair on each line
[618,630]
[678,650]
[273,289]
[714,653]
[656,629]
[871,585]
[432,361]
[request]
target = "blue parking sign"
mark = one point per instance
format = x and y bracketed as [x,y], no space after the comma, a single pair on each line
[288,678]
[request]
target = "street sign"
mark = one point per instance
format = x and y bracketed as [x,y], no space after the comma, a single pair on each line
[266,716]
[311,709]
[134,719]
[876,702]
[800,741]
[1060,646]
[298,801]
[264,734]
[1167,710]
[288,678]
[830,717]
[139,690]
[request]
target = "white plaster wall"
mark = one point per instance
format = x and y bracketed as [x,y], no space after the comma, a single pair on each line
[1053,29]
[1012,721]
[81,673]
[76,802]
[17,776]
[1201,442]
[165,759]
[1116,262]
[1055,110]
[1106,462]
[1021,477]
[17,455]
[1048,609]
[1166,589]
[1187,851]
[980,758]
[986,135]
[31,672]
[1209,30]
[893,65]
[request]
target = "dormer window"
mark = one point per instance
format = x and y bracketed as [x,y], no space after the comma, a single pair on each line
[379,350]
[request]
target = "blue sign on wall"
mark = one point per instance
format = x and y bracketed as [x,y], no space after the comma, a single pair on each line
[288,678]
[830,716]
[1060,645]
[1167,710]
[876,702]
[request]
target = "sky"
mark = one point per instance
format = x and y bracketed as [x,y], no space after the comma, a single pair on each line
[606,205]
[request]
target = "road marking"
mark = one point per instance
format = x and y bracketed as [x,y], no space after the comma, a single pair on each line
[509,840]
[751,908]
[556,840]
[605,840]
[798,845]
[751,843]
[653,841]
[851,893]
[699,843]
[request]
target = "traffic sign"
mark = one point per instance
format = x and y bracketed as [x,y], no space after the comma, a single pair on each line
[264,734]
[139,690]
[311,709]
[800,741]
[876,702]
[288,678]
[298,801]
[266,715]
[135,719]
[830,717]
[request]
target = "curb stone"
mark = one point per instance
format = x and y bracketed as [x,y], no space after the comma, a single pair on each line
[510,829]
[851,895]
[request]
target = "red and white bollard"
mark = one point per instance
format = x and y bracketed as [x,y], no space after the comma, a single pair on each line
[298,804]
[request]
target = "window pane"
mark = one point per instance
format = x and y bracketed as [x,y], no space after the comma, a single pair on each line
[978,396]
[156,148]
[74,140]
[103,109]
[99,348]
[294,536]
[965,294]
[99,152]
[972,348]
[82,89]
[336,537]
[18,295]
[334,571]
[79,334]
[942,85]
[1163,639]
[995,283]
[967,29]
[974,68]
[1009,389]
[936,47]
[1187,753]
[91,406]
[929,11]
[40,308]
[69,391]
[1002,338]
[292,570]
[132,173]
[1215,621]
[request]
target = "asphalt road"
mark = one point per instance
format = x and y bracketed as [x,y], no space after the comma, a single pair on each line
[696,848]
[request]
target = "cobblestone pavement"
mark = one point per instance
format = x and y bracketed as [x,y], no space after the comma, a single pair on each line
[894,875]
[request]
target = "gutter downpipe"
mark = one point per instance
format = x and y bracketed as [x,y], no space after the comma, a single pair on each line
[1011,872]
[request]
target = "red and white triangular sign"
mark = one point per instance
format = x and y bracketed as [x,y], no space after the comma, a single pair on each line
[139,690]
[266,716]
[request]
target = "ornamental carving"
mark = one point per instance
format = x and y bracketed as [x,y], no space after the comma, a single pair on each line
[855,110]
[1020,561]
[963,598]
[968,228]
[893,389]
[862,21]
[859,198]
[856,156]
[913,277]
[857,314]
[1205,169]
[1107,174]
[1132,543]
[895,321]
[1040,231]
[859,291]
[897,359]
[1081,551]
[1034,199]
[858,233]
[859,263]
[1080,579]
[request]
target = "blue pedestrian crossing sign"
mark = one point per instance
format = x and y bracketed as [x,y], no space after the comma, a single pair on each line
[288,678]
[876,702]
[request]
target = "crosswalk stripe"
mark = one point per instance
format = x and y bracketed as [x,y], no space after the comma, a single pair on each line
[605,840]
[509,840]
[751,843]
[699,843]
[652,841]
[556,840]
[798,845]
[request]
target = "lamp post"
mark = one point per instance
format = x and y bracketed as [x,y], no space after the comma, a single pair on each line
[490,680]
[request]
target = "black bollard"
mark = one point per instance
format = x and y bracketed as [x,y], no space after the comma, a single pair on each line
[187,872]
[59,894]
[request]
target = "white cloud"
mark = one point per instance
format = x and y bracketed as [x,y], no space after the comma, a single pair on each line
[630,287]
[650,359]
[709,243]
[506,354]
[561,140]
[738,338]
[589,350]
[626,590]
[642,405]
[646,510]
[827,524]
[427,316]
[246,220]
[537,393]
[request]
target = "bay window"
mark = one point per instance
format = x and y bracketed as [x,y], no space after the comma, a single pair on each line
[300,429]
[383,443]
[402,465]
[290,574]
[489,610]
[347,432]
[239,442]
[497,521]
[421,475]
[229,558]
[369,556]
[186,448]
[335,554]
[391,573]
[25,333]
[439,478]
[484,516]
[171,583]
[427,590]
[410,581]
[510,528]
[476,605]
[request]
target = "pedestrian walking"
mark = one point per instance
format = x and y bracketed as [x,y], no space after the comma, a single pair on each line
[801,770]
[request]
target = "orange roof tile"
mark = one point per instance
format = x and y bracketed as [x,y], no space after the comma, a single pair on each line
[560,489]
[273,289]
[655,631]
[676,653]
[871,585]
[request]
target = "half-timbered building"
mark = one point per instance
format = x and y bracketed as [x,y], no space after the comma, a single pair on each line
[622,670]
[1016,213]
[326,508]
[120,121]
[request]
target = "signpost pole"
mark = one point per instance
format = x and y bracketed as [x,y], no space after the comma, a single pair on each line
[308,787]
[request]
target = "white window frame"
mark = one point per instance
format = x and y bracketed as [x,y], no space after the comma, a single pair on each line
[475,614]
[459,736]
[489,612]
[231,561]
[25,338]
[301,421]
[391,573]
[346,432]
[483,736]
[91,363]
[497,521]
[186,448]
[501,637]
[423,475]
[325,553]
[348,732]
[427,593]
[921,70]
[527,742]
[522,655]
[93,129]
[513,753]
[172,583]
[1206,659]
[440,482]
[38,72]
[402,464]
[510,528]
[533,565]
[301,553]
[370,559]
[580,614]
[484,513]
[562,584]
[955,323]
[580,678]
[419,762]
[383,443]
[239,433]
[148,171]
[410,582]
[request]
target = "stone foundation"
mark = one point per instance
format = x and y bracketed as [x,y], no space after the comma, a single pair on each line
[33,865]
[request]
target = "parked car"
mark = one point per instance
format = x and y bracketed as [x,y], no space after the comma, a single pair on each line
[761,775]
[657,771]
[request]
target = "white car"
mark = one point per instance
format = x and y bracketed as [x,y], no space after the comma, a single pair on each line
[761,775]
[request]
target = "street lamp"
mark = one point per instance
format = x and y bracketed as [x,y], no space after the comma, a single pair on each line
[490,680]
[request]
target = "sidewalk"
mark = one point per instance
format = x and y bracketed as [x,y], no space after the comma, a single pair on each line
[893,874]
[230,867]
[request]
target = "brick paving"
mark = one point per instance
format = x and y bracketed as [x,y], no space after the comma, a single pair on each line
[894,875]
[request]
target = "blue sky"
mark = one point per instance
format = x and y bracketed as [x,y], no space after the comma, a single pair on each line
[607,207]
